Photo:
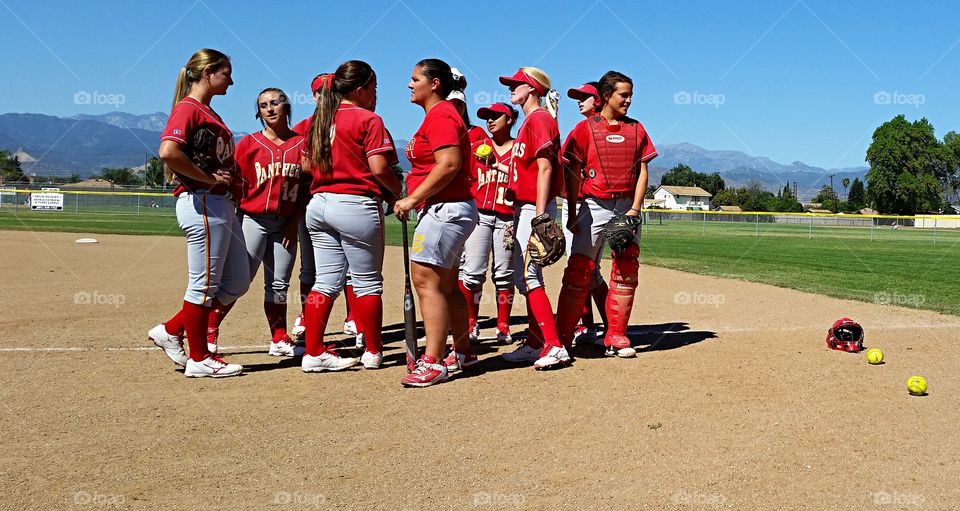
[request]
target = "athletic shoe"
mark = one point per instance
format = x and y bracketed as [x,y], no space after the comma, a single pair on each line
[326,361]
[350,327]
[213,336]
[172,345]
[371,360]
[285,348]
[211,367]
[460,362]
[427,373]
[212,348]
[583,335]
[298,330]
[504,338]
[475,334]
[359,341]
[627,352]
[522,355]
[555,356]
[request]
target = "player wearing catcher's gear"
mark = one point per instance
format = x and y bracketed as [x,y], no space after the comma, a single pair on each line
[536,179]
[350,154]
[272,202]
[609,152]
[439,187]
[197,148]
[588,102]
[490,182]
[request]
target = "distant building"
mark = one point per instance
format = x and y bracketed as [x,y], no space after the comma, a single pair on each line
[728,209]
[653,203]
[684,197]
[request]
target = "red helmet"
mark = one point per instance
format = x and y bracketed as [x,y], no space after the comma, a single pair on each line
[845,335]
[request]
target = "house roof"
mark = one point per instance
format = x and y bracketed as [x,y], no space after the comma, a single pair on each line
[653,202]
[731,209]
[693,191]
[822,211]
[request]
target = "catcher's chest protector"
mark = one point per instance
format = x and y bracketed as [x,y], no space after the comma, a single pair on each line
[616,149]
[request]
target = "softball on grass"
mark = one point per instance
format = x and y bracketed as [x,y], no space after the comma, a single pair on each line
[917,385]
[874,356]
[483,151]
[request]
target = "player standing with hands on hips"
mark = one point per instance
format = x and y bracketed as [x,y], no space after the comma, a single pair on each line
[439,188]
[610,153]
[198,148]
[536,178]
[350,154]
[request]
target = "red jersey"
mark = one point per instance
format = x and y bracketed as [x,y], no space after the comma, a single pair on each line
[490,185]
[303,126]
[205,139]
[538,137]
[476,134]
[441,127]
[358,134]
[611,155]
[270,174]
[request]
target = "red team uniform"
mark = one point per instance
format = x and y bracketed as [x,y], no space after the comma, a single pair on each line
[271,174]
[441,127]
[204,138]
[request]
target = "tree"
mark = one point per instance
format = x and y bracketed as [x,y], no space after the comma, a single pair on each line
[845,182]
[826,196]
[857,197]
[785,201]
[909,167]
[683,175]
[153,174]
[121,176]
[10,170]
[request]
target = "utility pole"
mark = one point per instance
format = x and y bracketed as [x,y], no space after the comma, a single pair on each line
[834,192]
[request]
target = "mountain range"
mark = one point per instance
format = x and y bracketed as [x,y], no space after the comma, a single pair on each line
[84,144]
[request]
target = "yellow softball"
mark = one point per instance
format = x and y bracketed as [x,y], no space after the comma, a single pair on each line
[917,385]
[483,151]
[874,356]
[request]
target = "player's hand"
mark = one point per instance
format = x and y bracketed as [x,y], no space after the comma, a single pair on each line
[222,177]
[403,206]
[632,212]
[573,225]
[289,234]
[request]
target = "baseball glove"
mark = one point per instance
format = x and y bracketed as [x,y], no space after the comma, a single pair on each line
[620,231]
[546,244]
[508,237]
[203,146]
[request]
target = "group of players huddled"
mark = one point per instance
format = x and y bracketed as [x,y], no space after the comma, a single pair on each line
[477,194]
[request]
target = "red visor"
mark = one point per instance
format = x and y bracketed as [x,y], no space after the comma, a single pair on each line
[520,78]
[583,92]
[496,110]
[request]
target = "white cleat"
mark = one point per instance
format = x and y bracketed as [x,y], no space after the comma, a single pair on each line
[350,327]
[298,330]
[522,355]
[326,361]
[475,334]
[627,352]
[557,356]
[171,345]
[212,348]
[285,348]
[504,338]
[212,367]
[358,343]
[371,360]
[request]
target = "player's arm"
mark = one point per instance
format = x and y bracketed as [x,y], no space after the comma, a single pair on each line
[571,177]
[179,162]
[640,191]
[544,179]
[383,173]
[442,173]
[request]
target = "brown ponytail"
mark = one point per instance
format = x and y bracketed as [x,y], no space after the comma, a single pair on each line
[350,76]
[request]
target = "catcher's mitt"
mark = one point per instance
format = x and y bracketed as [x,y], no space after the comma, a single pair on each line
[546,244]
[203,147]
[509,240]
[620,231]
[845,335]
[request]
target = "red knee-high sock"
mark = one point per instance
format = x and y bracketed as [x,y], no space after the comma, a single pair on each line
[586,316]
[504,305]
[543,315]
[217,312]
[534,334]
[599,294]
[368,313]
[472,307]
[276,319]
[315,315]
[305,288]
[195,324]
[351,302]
[174,325]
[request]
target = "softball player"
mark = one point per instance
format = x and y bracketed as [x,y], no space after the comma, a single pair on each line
[198,149]
[588,102]
[610,153]
[496,214]
[271,206]
[439,187]
[536,178]
[351,173]
[459,100]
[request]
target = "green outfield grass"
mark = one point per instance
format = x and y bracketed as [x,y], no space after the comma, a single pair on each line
[883,265]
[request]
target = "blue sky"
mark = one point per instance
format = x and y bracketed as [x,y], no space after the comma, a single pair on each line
[790,80]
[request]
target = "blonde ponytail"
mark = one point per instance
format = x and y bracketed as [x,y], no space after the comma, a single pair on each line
[553,102]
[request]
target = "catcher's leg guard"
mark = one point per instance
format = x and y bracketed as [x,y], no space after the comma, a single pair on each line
[599,294]
[573,296]
[626,266]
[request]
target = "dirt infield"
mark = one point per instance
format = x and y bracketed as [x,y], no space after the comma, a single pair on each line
[734,402]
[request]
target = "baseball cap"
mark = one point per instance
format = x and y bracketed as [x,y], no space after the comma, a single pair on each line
[496,110]
[523,78]
[457,94]
[583,92]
